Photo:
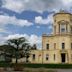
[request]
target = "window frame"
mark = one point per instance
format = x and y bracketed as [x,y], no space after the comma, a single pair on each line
[47,57]
[63,45]
[54,57]
[54,45]
[71,46]
[33,56]
[47,46]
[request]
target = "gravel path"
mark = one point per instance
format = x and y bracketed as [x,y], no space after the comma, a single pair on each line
[64,70]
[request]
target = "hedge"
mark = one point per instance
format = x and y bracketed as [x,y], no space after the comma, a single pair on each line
[61,66]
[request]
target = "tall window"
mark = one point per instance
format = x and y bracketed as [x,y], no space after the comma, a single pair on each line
[63,45]
[54,57]
[47,57]
[63,26]
[33,57]
[71,57]
[54,45]
[71,29]
[71,46]
[47,46]
[55,29]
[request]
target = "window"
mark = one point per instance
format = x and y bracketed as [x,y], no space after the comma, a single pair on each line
[71,57]
[47,46]
[33,56]
[71,46]
[63,28]
[54,57]
[55,29]
[63,45]
[54,45]
[47,57]
[71,29]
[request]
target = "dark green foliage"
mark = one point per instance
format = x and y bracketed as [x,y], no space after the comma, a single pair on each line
[62,66]
[21,46]
[34,47]
[5,64]
[7,52]
[57,66]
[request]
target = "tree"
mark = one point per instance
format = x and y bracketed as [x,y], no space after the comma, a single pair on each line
[34,47]
[7,52]
[26,48]
[19,44]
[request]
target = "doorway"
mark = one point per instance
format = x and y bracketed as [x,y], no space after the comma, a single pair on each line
[63,57]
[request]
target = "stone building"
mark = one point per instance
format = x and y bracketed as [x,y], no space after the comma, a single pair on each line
[57,47]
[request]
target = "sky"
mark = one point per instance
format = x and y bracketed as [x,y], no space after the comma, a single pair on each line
[29,18]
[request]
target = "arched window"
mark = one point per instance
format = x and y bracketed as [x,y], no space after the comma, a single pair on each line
[63,26]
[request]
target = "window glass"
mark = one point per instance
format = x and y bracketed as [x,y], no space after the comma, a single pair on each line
[54,56]
[47,57]
[71,45]
[47,46]
[62,27]
[33,56]
[63,45]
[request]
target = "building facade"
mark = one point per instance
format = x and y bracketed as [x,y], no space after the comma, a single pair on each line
[57,47]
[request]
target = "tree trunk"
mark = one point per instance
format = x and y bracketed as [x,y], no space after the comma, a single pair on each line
[17,55]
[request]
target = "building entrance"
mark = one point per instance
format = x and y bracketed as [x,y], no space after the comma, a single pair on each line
[63,58]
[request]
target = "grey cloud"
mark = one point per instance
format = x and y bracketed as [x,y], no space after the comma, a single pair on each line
[41,5]
[37,5]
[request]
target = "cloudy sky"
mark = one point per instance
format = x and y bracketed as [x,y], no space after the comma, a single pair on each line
[29,18]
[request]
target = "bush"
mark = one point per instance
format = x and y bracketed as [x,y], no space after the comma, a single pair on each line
[48,65]
[5,64]
[61,66]
[18,67]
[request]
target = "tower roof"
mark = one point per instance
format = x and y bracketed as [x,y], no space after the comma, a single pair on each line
[62,12]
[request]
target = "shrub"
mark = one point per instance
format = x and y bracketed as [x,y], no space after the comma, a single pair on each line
[18,67]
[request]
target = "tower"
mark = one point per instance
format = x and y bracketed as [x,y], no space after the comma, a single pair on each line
[62,23]
[59,44]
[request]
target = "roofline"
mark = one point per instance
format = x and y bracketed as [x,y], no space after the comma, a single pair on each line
[61,13]
[52,35]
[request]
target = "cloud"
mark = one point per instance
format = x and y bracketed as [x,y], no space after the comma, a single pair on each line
[66,2]
[48,20]
[36,5]
[2,30]
[4,20]
[14,5]
[2,39]
[33,39]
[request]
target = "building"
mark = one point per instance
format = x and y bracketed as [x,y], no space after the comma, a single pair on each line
[57,47]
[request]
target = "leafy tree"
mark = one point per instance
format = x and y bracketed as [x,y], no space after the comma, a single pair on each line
[7,52]
[26,51]
[34,47]
[20,45]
